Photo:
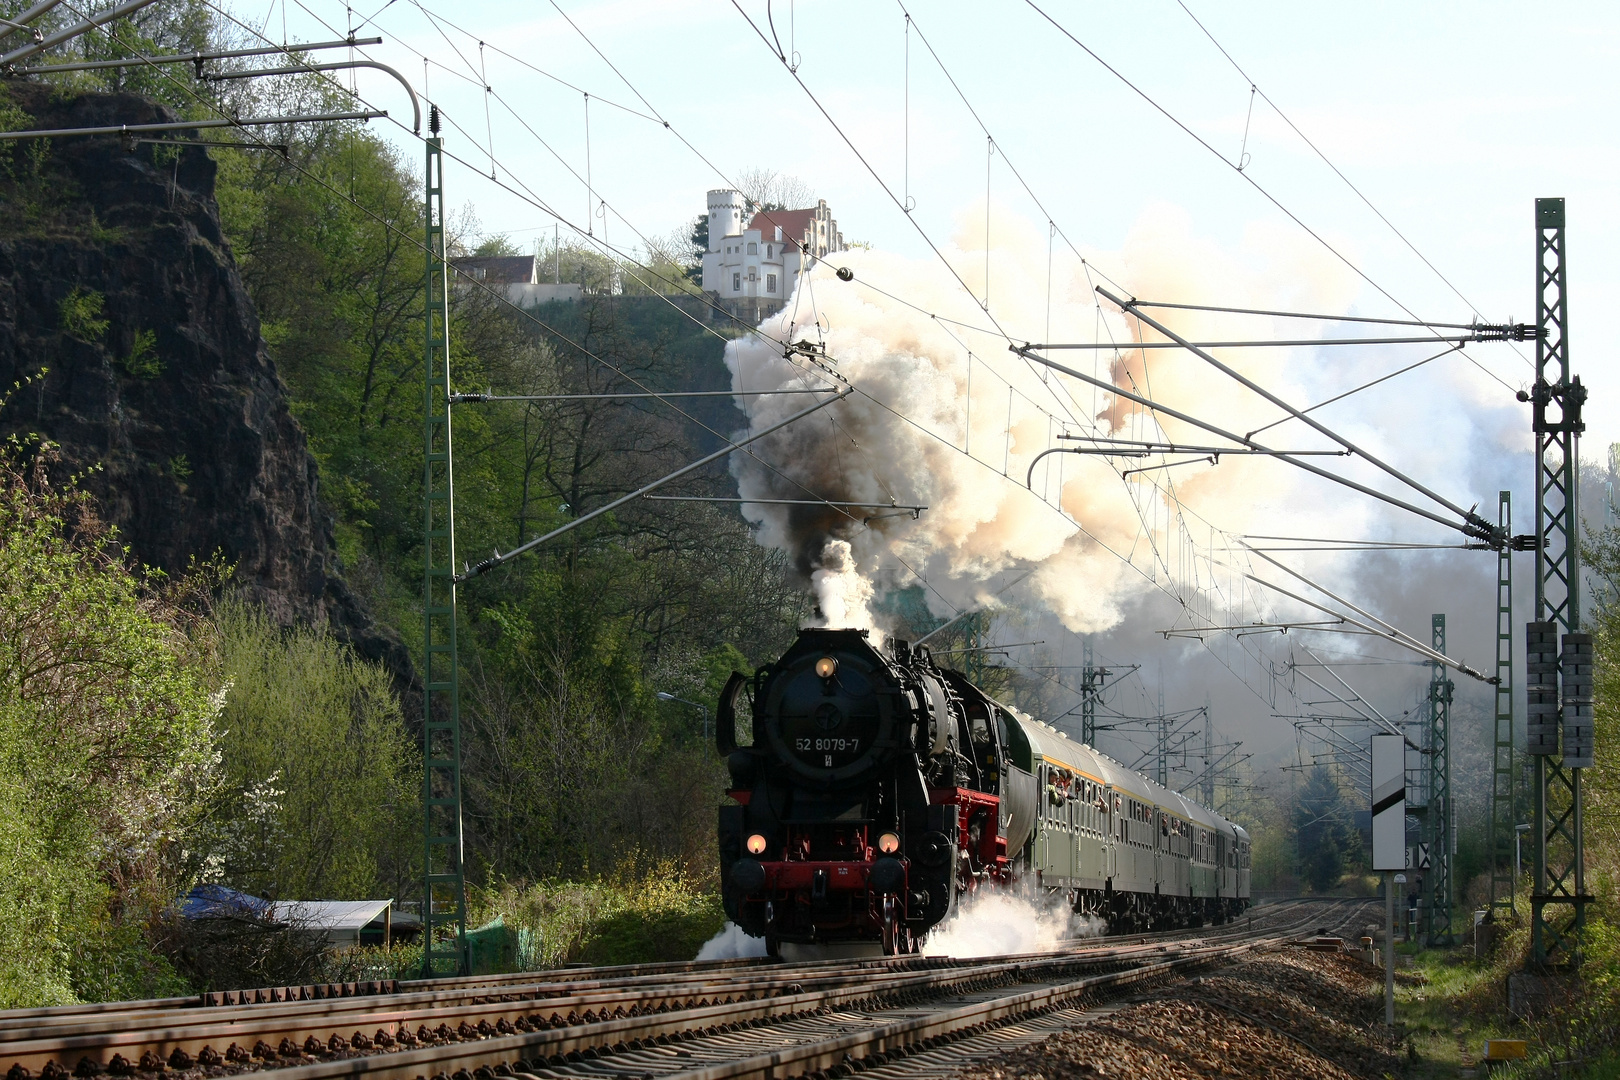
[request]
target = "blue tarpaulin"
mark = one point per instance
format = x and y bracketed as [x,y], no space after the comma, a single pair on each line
[218,902]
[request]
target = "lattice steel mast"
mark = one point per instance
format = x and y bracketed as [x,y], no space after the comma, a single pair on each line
[1558,898]
[444,890]
[1504,805]
[1438,817]
[1092,678]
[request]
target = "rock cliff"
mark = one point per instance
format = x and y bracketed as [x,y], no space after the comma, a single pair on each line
[115,278]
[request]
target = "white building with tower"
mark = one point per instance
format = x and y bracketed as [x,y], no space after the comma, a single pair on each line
[753,264]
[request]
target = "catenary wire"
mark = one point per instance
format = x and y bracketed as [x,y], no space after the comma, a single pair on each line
[1318,237]
[1336,171]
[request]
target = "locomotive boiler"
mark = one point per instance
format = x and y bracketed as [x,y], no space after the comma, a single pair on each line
[876,788]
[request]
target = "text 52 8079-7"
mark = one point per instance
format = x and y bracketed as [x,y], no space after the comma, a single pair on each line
[834,745]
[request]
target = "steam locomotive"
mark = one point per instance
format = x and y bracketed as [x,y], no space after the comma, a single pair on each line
[878,788]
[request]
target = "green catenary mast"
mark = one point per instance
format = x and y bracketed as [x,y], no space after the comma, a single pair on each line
[444,892]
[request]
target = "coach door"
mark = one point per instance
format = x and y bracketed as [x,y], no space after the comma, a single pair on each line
[1112,823]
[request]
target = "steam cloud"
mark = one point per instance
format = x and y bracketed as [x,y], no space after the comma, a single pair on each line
[961,437]
[1001,922]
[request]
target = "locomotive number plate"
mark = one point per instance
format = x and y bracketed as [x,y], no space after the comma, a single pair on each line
[841,746]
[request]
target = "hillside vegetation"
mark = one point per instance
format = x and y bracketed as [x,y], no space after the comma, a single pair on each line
[157,731]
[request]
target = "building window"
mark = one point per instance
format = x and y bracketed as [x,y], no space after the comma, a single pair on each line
[736,282]
[753,273]
[769,252]
[753,249]
[770,282]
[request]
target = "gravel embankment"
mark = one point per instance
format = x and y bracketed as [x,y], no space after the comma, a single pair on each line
[1288,1014]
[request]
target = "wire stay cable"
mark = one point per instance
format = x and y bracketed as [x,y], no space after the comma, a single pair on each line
[1476,525]
[498,558]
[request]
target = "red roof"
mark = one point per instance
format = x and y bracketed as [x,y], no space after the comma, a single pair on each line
[794,223]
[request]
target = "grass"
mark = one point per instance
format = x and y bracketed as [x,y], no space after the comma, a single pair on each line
[1446,1005]
[642,916]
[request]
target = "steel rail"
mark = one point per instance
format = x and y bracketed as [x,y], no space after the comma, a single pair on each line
[904,1034]
[509,1022]
[946,1055]
[550,1052]
[434,1005]
[606,1036]
[189,1029]
[328,1021]
[589,976]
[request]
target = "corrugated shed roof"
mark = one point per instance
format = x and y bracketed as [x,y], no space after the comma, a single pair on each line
[329,914]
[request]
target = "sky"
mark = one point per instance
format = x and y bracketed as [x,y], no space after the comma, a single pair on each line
[1447,119]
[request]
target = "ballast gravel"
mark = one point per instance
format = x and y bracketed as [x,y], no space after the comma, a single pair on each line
[1287,1014]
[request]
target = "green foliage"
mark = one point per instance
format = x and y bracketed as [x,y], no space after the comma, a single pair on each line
[20,160]
[167,26]
[653,915]
[106,749]
[115,960]
[141,360]
[80,316]
[697,244]
[563,651]
[1582,1025]
[496,244]
[321,772]
[1322,827]
[567,767]
[365,962]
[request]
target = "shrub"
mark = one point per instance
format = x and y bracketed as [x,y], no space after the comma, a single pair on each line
[106,747]
[640,916]
[322,773]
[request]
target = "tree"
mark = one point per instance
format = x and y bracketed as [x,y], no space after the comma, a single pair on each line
[106,748]
[317,764]
[1322,830]
[767,189]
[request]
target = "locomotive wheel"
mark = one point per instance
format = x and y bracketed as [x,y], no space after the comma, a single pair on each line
[905,943]
[893,931]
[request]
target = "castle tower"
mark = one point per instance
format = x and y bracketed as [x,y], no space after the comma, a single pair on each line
[725,216]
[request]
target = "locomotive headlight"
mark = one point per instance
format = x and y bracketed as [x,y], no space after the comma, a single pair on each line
[888,843]
[826,666]
[756,844]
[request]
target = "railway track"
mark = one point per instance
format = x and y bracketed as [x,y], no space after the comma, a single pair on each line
[712,1019]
